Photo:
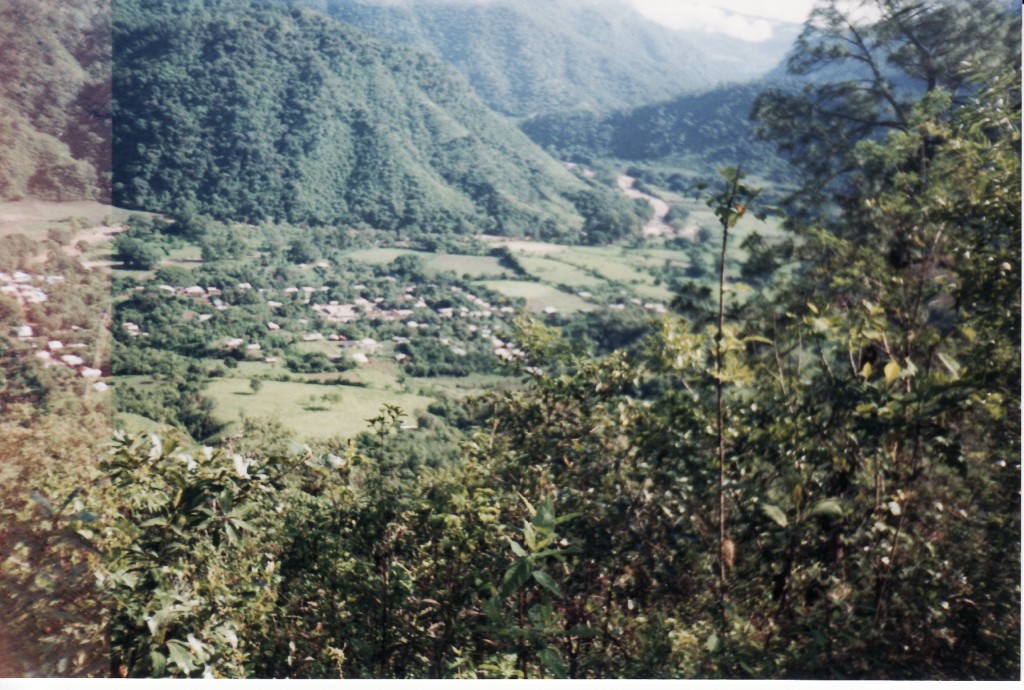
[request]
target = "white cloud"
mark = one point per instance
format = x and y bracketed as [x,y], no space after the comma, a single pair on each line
[748,20]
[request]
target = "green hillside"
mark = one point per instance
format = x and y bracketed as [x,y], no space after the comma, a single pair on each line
[525,58]
[249,112]
[702,131]
[54,99]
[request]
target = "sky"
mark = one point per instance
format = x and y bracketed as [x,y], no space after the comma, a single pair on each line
[748,20]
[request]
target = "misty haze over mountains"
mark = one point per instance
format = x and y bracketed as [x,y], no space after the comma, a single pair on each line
[525,58]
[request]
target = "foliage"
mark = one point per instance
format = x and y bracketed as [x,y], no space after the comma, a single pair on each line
[55,99]
[134,254]
[864,67]
[322,127]
[523,59]
[852,425]
[696,130]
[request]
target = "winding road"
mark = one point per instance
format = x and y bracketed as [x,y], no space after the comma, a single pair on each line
[656,226]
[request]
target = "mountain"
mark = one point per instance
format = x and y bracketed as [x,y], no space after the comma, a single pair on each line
[703,131]
[740,61]
[526,58]
[246,111]
[55,99]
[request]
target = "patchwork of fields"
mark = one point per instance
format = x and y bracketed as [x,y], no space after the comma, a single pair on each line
[540,277]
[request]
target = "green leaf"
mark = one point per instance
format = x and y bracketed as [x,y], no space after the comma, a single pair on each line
[545,517]
[568,516]
[492,609]
[516,577]
[159,662]
[828,507]
[892,370]
[547,582]
[529,506]
[180,655]
[530,536]
[517,549]
[775,513]
[552,662]
[233,535]
[714,644]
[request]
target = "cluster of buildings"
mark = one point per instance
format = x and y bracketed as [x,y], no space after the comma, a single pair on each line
[399,308]
[27,289]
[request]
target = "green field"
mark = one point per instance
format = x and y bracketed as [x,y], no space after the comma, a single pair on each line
[301,406]
[460,264]
[556,271]
[461,386]
[622,267]
[137,424]
[539,296]
[189,254]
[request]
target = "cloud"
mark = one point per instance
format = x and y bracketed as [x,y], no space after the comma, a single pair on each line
[747,20]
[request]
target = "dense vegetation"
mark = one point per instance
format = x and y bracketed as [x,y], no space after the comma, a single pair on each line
[527,58]
[55,99]
[697,131]
[298,118]
[810,469]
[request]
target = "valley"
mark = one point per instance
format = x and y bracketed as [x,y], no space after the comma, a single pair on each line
[466,339]
[377,324]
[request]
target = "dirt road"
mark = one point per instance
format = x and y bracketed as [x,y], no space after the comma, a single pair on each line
[656,226]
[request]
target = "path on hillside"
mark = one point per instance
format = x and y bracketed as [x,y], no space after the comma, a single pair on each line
[656,226]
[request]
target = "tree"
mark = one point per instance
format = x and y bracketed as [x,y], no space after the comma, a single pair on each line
[863,66]
[134,254]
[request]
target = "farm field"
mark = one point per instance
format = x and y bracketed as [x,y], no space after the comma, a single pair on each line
[554,270]
[460,264]
[460,386]
[624,268]
[310,410]
[539,296]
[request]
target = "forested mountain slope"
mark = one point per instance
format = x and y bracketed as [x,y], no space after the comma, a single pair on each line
[250,112]
[55,99]
[525,58]
[705,131]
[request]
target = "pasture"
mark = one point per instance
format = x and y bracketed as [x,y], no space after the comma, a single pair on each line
[460,264]
[311,411]
[539,296]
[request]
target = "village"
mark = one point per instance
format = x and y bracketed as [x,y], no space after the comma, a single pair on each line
[413,316]
[28,290]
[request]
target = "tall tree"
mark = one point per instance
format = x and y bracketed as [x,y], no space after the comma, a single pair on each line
[863,64]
